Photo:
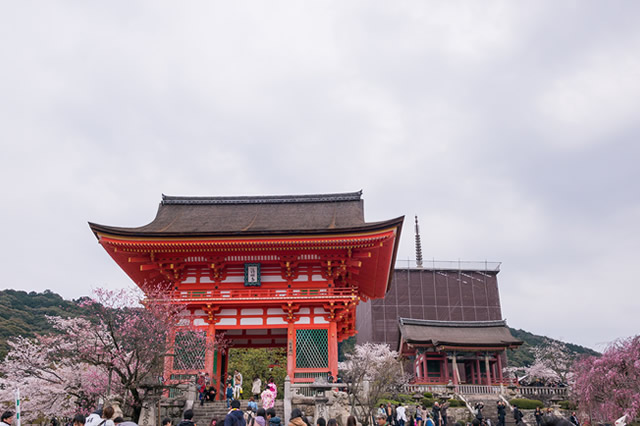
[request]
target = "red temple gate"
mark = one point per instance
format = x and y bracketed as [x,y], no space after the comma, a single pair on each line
[271,271]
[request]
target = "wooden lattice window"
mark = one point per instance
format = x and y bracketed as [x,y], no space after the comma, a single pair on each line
[312,348]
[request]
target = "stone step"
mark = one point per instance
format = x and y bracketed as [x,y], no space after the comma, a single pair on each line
[202,414]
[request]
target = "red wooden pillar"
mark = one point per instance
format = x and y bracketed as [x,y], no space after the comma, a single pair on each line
[425,372]
[217,373]
[499,361]
[168,361]
[209,349]
[479,377]
[333,348]
[291,347]
[446,368]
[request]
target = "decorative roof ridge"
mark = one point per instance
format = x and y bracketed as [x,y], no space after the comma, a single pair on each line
[262,199]
[467,324]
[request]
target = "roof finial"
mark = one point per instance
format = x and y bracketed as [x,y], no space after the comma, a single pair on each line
[418,246]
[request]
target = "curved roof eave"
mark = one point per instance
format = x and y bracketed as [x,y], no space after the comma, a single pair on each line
[135,232]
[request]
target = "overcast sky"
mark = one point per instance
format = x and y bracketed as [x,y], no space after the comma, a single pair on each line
[510,128]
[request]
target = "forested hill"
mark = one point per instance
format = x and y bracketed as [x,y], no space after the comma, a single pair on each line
[24,314]
[523,356]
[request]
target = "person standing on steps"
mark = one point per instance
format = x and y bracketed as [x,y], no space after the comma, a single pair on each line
[229,395]
[479,407]
[256,385]
[502,412]
[237,385]
[269,396]
[517,415]
[252,405]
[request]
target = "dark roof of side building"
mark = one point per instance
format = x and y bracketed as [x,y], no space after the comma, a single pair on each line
[179,216]
[457,333]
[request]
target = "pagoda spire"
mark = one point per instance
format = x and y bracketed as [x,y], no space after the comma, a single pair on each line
[418,246]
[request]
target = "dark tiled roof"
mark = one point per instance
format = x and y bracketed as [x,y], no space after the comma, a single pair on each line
[263,199]
[260,215]
[457,333]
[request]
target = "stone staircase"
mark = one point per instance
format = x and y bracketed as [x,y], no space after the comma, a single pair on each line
[490,410]
[202,414]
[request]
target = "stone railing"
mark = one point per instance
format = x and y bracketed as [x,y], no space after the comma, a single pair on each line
[525,391]
[543,391]
[425,387]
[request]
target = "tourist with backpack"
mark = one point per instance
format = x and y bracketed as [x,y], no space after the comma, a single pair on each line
[235,416]
[517,415]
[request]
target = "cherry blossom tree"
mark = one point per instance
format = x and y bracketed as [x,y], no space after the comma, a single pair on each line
[119,347]
[552,362]
[126,340]
[50,384]
[608,387]
[371,371]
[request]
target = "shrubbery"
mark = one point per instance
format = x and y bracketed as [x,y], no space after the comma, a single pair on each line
[526,404]
[426,402]
[568,405]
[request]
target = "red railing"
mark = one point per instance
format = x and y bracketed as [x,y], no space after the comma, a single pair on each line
[261,295]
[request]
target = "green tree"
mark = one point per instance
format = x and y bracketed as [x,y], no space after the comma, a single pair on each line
[260,362]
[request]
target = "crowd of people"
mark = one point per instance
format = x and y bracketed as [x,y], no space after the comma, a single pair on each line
[261,417]
[386,415]
[234,391]
[420,415]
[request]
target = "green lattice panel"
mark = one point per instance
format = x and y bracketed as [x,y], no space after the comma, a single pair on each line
[312,348]
[189,350]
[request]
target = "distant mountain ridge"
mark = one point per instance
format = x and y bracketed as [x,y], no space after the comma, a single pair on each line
[23,313]
[523,356]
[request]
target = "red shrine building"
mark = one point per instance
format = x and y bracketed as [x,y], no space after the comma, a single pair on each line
[445,318]
[267,271]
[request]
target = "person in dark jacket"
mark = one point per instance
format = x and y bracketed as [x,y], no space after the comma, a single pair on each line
[443,413]
[435,411]
[229,395]
[479,407]
[272,418]
[574,419]
[187,419]
[235,416]
[517,415]
[502,412]
[538,415]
